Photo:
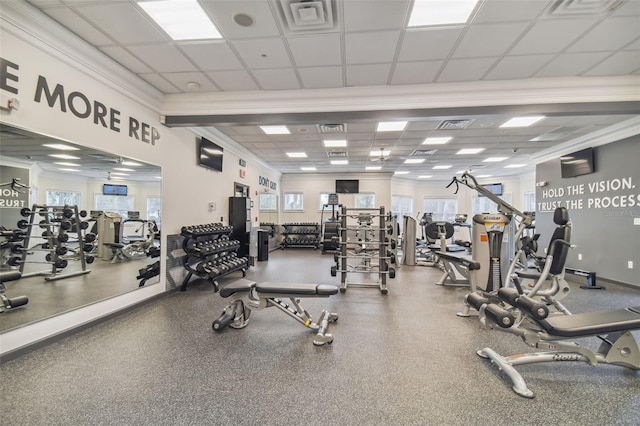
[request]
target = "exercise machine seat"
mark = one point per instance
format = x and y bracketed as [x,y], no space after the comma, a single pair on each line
[297,289]
[12,275]
[593,323]
[237,286]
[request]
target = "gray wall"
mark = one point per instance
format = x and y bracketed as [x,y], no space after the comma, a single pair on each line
[603,207]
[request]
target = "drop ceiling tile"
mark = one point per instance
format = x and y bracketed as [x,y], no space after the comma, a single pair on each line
[157,81]
[162,57]
[368,75]
[374,47]
[376,15]
[263,54]
[321,77]
[181,79]
[488,40]
[611,34]
[126,59]
[211,56]
[618,64]
[365,128]
[314,51]
[421,125]
[45,3]
[264,24]
[82,28]
[570,64]
[277,79]
[231,81]
[123,21]
[251,130]
[428,44]
[514,67]
[416,72]
[633,46]
[509,10]
[465,69]
[551,36]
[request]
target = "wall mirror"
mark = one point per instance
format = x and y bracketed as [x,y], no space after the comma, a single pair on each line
[118,237]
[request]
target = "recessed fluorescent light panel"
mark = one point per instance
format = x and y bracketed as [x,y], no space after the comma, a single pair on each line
[297,154]
[425,177]
[401,173]
[514,166]
[60,146]
[123,169]
[373,168]
[437,141]
[470,151]
[130,163]
[379,152]
[414,161]
[340,143]
[494,159]
[64,156]
[275,130]
[523,121]
[64,163]
[339,162]
[308,169]
[440,12]
[391,126]
[181,19]
[119,174]
[442,167]
[68,170]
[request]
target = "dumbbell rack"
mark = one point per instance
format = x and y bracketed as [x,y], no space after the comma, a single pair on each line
[56,221]
[300,235]
[368,252]
[210,254]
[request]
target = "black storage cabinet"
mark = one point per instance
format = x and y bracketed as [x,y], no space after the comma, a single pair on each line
[240,219]
[263,245]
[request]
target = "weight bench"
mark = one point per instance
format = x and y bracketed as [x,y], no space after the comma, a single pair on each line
[7,303]
[539,329]
[457,268]
[245,295]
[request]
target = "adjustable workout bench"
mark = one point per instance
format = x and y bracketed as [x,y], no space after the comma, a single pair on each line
[538,329]
[456,265]
[246,295]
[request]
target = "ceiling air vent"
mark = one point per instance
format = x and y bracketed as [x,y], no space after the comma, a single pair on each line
[337,154]
[308,15]
[454,124]
[423,152]
[563,8]
[331,128]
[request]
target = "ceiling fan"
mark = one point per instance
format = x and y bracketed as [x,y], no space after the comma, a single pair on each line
[381,158]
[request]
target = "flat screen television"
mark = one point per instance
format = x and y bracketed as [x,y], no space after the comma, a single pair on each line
[109,189]
[577,164]
[494,188]
[347,186]
[210,155]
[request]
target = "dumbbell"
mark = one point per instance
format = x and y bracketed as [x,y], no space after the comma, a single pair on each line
[26,212]
[60,263]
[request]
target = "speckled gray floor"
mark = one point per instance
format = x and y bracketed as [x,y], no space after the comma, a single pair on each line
[402,359]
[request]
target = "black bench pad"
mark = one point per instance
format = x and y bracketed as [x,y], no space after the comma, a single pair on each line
[237,286]
[593,323]
[296,289]
[456,257]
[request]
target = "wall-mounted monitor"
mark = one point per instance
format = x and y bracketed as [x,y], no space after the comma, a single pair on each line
[210,155]
[577,164]
[494,188]
[109,189]
[347,186]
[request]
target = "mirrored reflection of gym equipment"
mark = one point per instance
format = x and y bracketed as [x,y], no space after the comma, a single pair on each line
[365,248]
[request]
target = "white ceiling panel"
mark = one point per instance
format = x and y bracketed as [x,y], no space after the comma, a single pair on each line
[465,69]
[232,81]
[159,82]
[569,64]
[213,56]
[416,72]
[162,57]
[363,48]
[81,27]
[551,36]
[126,59]
[514,67]
[633,46]
[368,75]
[488,40]
[182,79]
[316,51]
[618,63]
[264,24]
[45,3]
[611,34]
[123,22]
[321,77]
[510,10]
[277,79]
[360,15]
[263,54]
[428,44]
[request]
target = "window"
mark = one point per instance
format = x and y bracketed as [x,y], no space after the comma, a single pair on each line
[62,198]
[442,209]
[364,201]
[268,202]
[293,201]
[115,204]
[154,210]
[324,199]
[401,205]
[485,205]
[530,201]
